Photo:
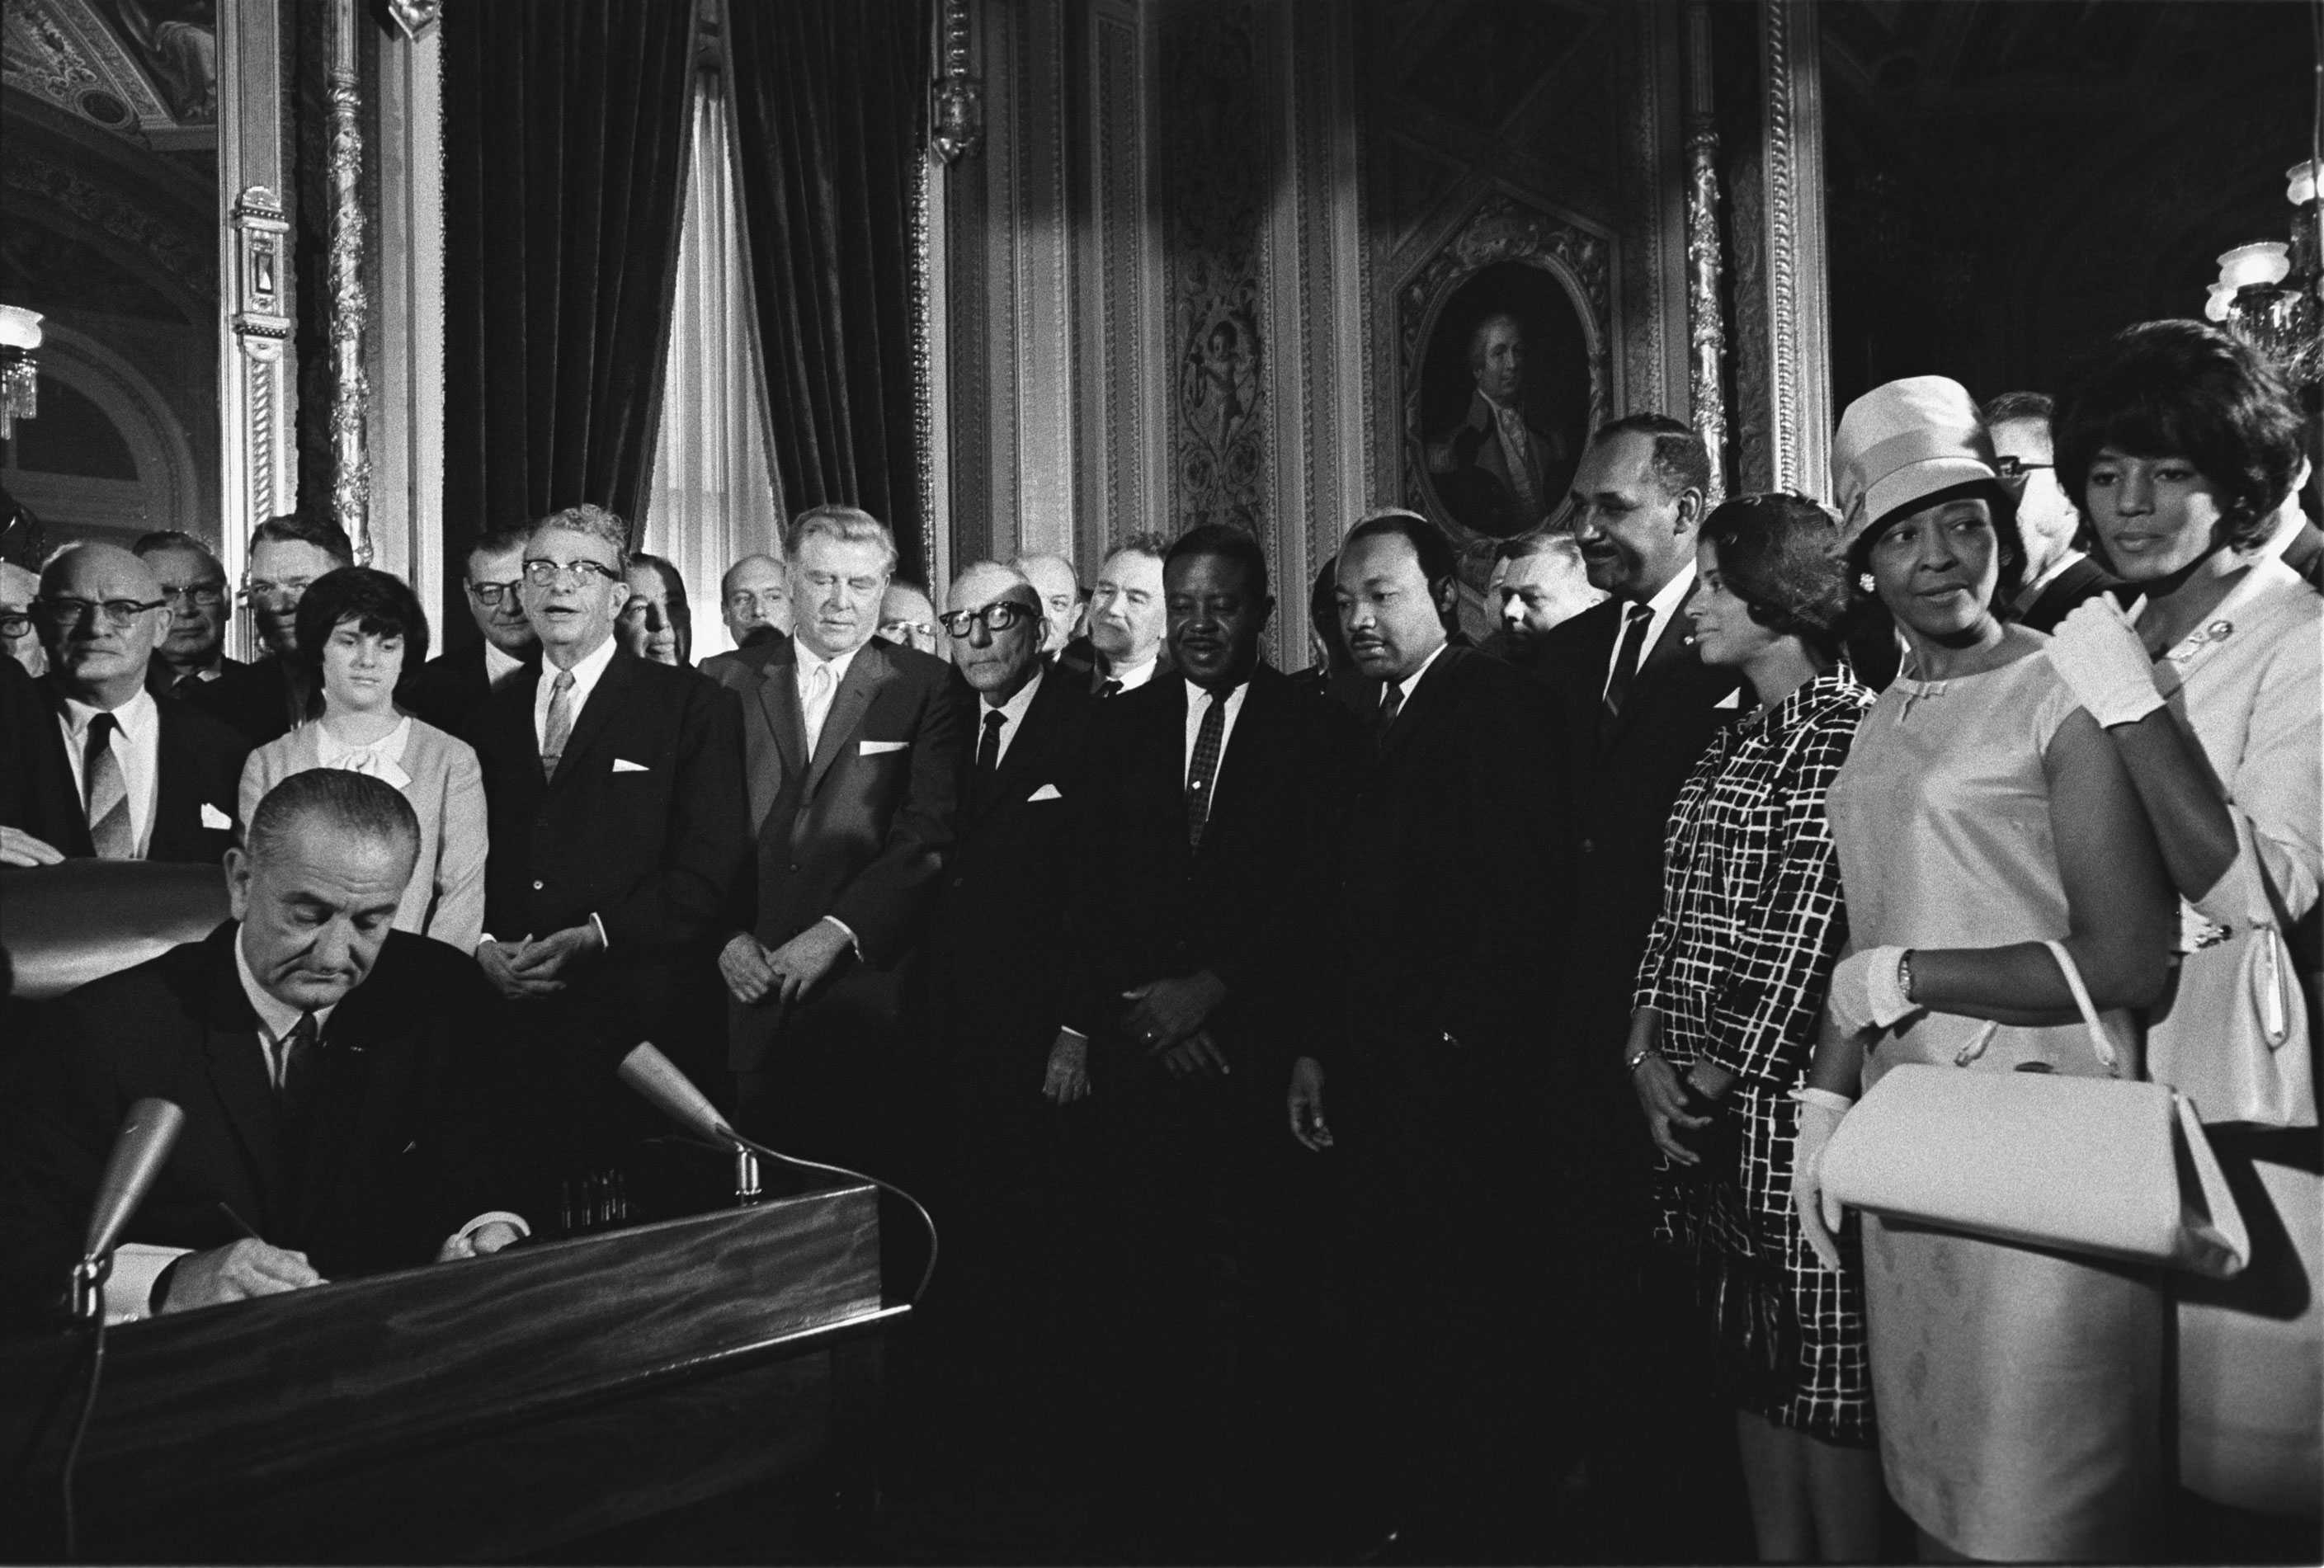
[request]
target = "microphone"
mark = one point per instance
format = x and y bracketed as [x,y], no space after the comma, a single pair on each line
[139,1150]
[673,1093]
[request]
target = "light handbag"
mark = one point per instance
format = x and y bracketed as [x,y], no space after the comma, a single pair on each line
[2235,1037]
[2082,1165]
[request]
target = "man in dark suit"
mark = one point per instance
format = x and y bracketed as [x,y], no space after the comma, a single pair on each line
[2057,577]
[614,792]
[853,751]
[265,699]
[450,690]
[336,1077]
[1122,646]
[193,653]
[1448,993]
[111,772]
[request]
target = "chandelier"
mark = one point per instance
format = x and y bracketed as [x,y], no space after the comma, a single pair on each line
[20,386]
[2267,292]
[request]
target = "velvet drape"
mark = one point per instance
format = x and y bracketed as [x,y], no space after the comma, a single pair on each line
[565,146]
[831,101]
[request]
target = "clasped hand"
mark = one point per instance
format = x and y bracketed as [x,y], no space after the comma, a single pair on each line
[1167,1017]
[1663,1098]
[754,971]
[536,968]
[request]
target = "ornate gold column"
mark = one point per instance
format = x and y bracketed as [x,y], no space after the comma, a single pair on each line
[350,306]
[1706,330]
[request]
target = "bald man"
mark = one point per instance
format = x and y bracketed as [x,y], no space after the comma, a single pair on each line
[1060,592]
[116,775]
[754,600]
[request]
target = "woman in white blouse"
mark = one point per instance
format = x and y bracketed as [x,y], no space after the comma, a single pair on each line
[2182,447]
[358,631]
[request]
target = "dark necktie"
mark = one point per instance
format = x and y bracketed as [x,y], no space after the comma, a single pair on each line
[107,791]
[1391,704]
[988,761]
[1204,768]
[1109,688]
[299,1049]
[1626,660]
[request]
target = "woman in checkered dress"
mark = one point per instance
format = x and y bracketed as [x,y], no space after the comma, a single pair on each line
[1728,993]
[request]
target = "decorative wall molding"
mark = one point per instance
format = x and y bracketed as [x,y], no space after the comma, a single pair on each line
[349,311]
[1040,237]
[1799,366]
[1706,332]
[407,407]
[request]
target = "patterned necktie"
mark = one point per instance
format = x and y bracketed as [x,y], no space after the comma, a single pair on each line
[816,708]
[1626,660]
[299,1049]
[988,761]
[109,830]
[559,729]
[1391,704]
[1204,768]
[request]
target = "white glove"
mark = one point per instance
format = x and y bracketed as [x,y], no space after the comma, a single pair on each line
[2095,651]
[1867,991]
[1820,1213]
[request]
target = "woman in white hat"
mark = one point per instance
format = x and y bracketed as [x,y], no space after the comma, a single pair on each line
[1980,814]
[2182,447]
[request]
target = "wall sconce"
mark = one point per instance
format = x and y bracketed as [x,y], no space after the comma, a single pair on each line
[958,129]
[2267,292]
[20,384]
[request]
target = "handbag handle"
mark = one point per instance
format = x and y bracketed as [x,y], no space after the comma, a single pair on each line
[2100,1042]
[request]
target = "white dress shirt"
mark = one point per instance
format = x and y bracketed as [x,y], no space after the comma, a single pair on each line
[1411,683]
[815,706]
[1198,707]
[136,746]
[586,676]
[1133,676]
[499,665]
[1012,713]
[1665,605]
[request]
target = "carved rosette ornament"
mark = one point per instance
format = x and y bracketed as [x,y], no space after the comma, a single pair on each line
[350,309]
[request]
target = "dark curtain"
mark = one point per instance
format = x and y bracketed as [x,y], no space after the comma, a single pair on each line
[830,101]
[564,142]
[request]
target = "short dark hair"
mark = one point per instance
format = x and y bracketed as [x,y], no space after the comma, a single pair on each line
[1780,553]
[1681,461]
[2012,406]
[351,804]
[174,538]
[497,541]
[672,583]
[2183,389]
[1323,613]
[377,601]
[1138,544]
[307,528]
[1438,558]
[1228,542]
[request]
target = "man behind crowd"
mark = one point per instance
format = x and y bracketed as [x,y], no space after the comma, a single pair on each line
[1538,583]
[20,639]
[1122,648]
[655,623]
[852,753]
[451,689]
[2057,575]
[287,554]
[341,1169]
[112,773]
[193,654]
[1058,586]
[907,618]
[754,600]
[614,787]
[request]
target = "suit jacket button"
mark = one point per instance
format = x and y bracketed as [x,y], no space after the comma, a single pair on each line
[537,886]
[794,865]
[1589,845]
[960,882]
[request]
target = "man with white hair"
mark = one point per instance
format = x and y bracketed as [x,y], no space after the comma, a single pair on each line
[852,752]
[116,775]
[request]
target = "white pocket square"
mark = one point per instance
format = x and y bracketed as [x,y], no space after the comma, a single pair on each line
[881,748]
[1045,792]
[1733,699]
[623,765]
[215,818]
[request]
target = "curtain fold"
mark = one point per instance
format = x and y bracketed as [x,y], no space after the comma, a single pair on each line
[830,104]
[564,142]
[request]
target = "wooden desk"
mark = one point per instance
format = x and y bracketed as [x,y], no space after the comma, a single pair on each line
[468,1411]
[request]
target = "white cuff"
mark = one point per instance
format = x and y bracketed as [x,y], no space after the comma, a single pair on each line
[602,945]
[847,931]
[137,1266]
[501,1216]
[1826,1098]
[1885,980]
[1078,1037]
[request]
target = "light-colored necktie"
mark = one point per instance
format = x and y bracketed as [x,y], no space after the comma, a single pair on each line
[559,727]
[107,791]
[817,706]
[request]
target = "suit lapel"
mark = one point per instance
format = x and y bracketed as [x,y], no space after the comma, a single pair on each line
[778,707]
[237,1070]
[345,1106]
[612,691]
[177,792]
[68,813]
[1675,645]
[1426,699]
[868,672]
[1238,775]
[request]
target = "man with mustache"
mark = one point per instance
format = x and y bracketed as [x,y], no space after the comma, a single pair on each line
[264,700]
[112,773]
[852,748]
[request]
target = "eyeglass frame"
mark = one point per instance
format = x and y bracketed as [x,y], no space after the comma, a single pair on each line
[543,573]
[2017,467]
[492,594]
[251,592]
[118,613]
[16,623]
[982,615]
[194,592]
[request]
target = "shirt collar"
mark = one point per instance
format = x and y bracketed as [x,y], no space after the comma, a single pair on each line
[1674,593]
[1411,682]
[809,658]
[500,664]
[133,717]
[586,669]
[1018,706]
[1138,674]
[331,752]
[1196,694]
[276,1017]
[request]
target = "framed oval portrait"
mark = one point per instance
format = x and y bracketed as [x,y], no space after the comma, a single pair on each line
[1504,399]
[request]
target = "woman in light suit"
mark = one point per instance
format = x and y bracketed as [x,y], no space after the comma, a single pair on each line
[358,631]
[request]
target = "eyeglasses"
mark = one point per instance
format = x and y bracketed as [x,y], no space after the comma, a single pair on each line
[494,592]
[999,616]
[2017,467]
[15,623]
[289,588]
[118,613]
[202,595]
[543,573]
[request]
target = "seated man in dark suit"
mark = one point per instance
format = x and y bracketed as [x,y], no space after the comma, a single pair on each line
[451,689]
[614,788]
[1447,999]
[265,699]
[853,749]
[112,772]
[336,1077]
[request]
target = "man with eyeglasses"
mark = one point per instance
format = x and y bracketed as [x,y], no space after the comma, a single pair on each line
[193,654]
[2058,576]
[614,789]
[851,747]
[907,618]
[116,775]
[19,639]
[264,699]
[451,689]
